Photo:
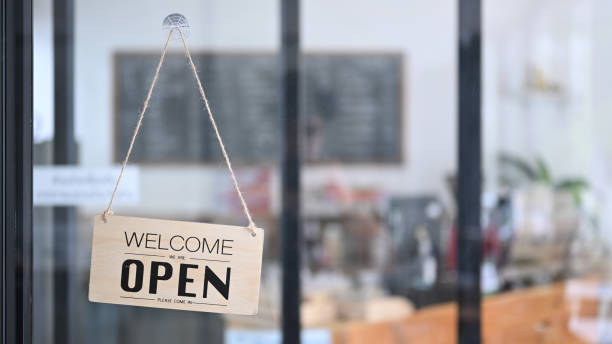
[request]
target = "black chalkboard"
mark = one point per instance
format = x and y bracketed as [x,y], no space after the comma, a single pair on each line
[351,107]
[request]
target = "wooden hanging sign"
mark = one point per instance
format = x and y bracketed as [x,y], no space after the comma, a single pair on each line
[173,264]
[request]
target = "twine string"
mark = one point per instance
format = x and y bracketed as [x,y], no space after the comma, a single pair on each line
[214,125]
[108,212]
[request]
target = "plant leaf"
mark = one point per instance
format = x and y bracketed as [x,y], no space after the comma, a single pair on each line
[543,173]
[519,164]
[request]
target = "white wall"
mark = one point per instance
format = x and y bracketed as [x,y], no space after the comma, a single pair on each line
[567,38]
[425,31]
[570,41]
[43,71]
[553,36]
[106,27]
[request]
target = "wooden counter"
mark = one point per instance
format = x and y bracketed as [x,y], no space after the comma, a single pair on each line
[533,315]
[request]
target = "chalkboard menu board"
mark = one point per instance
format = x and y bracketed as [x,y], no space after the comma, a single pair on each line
[351,108]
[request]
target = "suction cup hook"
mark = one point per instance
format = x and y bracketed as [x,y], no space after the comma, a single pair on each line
[176,21]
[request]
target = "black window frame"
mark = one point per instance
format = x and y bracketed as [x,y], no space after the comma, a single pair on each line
[16,166]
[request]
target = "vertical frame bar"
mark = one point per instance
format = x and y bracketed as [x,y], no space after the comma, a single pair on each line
[469,173]
[16,166]
[64,148]
[64,152]
[290,170]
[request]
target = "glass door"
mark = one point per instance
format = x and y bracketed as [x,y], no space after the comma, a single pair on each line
[348,125]
[425,171]
[353,127]
[93,63]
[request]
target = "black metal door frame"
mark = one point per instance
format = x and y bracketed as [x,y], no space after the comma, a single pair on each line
[290,170]
[469,173]
[64,153]
[16,166]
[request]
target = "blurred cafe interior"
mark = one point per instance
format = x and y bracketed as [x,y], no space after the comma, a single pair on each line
[454,164]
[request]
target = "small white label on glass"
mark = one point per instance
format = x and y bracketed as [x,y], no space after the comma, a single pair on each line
[84,186]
